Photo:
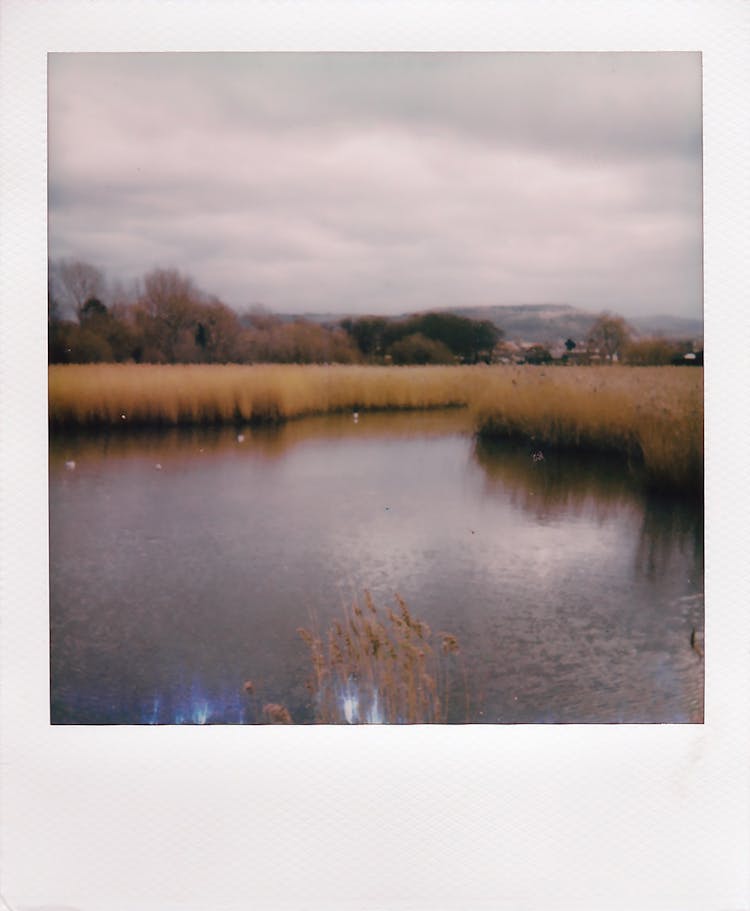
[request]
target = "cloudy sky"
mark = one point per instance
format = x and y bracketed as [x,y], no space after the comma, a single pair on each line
[385,182]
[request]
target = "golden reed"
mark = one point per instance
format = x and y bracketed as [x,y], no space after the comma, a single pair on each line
[654,415]
[385,667]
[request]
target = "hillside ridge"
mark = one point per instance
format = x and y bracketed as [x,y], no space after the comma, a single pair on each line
[540,323]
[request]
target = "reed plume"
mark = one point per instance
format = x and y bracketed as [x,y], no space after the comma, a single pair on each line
[381,666]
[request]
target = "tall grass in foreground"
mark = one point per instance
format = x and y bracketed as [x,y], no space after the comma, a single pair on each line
[652,415]
[378,667]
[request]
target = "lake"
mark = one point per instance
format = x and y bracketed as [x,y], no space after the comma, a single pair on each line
[183,562]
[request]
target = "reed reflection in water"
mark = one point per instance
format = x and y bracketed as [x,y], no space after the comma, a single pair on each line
[575,483]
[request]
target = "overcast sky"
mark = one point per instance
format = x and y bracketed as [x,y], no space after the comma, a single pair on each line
[385,183]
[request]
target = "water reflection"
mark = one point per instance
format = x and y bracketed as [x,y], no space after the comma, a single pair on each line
[572,592]
[576,483]
[180,445]
[671,528]
[557,482]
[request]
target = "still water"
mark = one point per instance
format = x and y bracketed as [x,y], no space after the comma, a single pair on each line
[183,562]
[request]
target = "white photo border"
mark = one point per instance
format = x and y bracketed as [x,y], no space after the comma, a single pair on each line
[578,817]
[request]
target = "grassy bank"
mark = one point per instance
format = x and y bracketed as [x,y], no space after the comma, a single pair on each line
[99,395]
[653,415]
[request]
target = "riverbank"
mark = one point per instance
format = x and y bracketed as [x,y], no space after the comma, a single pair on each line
[652,415]
[114,395]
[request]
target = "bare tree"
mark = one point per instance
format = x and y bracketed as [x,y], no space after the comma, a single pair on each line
[74,282]
[170,302]
[609,335]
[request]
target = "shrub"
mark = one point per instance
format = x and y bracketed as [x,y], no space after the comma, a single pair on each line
[418,349]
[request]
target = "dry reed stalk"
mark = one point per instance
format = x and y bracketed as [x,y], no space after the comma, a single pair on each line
[274,713]
[380,666]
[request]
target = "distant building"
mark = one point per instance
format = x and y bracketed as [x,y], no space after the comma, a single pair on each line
[690,359]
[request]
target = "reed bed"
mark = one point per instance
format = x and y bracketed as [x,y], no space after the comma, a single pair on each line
[385,667]
[654,416]
[112,394]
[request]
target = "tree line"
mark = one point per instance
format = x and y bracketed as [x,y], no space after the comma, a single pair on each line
[609,340]
[165,318]
[612,339]
[427,338]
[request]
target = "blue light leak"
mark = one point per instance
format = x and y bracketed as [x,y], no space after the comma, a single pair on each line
[358,706]
[195,707]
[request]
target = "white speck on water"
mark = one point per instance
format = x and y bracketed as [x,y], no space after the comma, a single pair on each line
[124,417]
[158,466]
[240,437]
[70,465]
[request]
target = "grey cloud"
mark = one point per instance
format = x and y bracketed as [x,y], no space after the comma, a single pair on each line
[385,182]
[619,103]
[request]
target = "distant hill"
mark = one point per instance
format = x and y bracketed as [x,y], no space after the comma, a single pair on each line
[669,326]
[538,323]
[541,323]
[548,323]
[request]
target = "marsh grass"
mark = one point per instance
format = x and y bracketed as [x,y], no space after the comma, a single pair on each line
[385,666]
[653,416]
[119,394]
